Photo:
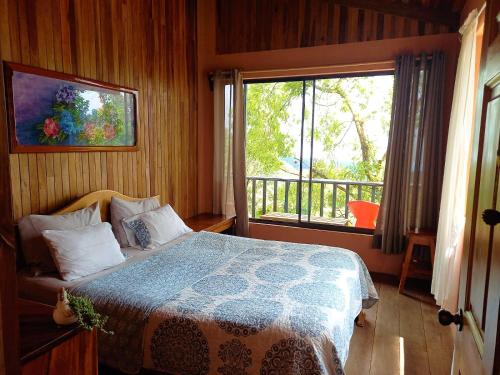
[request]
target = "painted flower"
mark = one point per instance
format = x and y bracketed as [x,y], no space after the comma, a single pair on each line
[90,130]
[109,131]
[66,94]
[51,128]
[67,123]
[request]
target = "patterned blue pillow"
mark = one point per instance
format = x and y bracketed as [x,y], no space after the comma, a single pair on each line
[141,232]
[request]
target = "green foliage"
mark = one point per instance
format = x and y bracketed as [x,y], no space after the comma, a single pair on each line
[268,115]
[87,317]
[342,105]
[267,108]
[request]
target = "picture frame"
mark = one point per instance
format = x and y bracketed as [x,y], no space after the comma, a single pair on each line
[51,111]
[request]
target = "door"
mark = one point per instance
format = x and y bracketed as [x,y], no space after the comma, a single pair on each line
[477,345]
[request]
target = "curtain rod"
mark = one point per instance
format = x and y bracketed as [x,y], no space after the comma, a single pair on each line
[321,67]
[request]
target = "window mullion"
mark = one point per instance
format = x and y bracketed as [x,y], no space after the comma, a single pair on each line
[311,157]
[299,184]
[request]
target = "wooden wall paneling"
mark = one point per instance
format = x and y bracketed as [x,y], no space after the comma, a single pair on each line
[51,196]
[352,24]
[65,178]
[343,24]
[33,198]
[333,25]
[24,169]
[148,45]
[42,182]
[329,22]
[138,170]
[276,28]
[429,28]
[15,190]
[9,364]
[5,189]
[57,176]
[258,25]
[399,27]
[380,26]
[366,25]
[191,56]
[126,20]
[73,175]
[79,174]
[388,26]
[320,24]
[162,131]
[303,19]
[263,29]
[92,172]
[145,66]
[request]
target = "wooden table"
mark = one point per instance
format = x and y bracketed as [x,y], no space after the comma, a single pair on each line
[47,348]
[211,223]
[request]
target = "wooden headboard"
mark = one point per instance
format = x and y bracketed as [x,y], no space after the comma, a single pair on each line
[101,196]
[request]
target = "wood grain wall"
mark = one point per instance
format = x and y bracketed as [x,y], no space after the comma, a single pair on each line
[149,45]
[257,25]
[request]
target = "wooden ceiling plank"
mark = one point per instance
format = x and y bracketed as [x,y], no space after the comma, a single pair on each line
[411,10]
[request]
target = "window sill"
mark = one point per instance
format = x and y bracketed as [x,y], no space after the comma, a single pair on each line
[327,227]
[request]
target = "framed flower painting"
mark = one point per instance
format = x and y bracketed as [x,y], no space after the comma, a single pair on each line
[56,112]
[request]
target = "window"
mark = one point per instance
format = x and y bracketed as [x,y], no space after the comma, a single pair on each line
[316,148]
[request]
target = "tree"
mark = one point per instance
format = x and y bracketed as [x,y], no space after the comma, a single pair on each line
[352,96]
[266,110]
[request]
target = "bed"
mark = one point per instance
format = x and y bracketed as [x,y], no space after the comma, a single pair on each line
[212,303]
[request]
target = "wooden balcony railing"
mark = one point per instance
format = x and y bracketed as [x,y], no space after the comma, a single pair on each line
[321,198]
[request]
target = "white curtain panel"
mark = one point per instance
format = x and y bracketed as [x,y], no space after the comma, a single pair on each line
[450,234]
[223,192]
[230,196]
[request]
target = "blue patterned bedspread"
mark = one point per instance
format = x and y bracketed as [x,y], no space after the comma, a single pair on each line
[217,304]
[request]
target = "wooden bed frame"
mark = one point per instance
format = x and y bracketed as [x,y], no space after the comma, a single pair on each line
[101,196]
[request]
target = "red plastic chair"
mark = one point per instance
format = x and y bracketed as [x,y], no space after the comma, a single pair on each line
[365,212]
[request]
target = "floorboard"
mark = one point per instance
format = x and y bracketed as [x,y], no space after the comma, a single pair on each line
[401,336]
[361,346]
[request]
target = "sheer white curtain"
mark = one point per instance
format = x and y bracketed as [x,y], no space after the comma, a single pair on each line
[450,234]
[223,192]
[229,193]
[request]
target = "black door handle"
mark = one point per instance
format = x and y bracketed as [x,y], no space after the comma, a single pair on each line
[491,217]
[446,318]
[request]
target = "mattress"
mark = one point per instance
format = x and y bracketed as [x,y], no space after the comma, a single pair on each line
[211,303]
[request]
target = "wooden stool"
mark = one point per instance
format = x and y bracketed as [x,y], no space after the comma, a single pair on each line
[423,239]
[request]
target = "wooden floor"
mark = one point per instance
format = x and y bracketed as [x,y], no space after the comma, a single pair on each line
[401,336]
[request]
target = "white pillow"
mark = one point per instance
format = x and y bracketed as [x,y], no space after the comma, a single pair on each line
[121,209]
[81,252]
[154,228]
[35,251]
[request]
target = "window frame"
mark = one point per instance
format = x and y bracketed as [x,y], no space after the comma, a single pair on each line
[303,78]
